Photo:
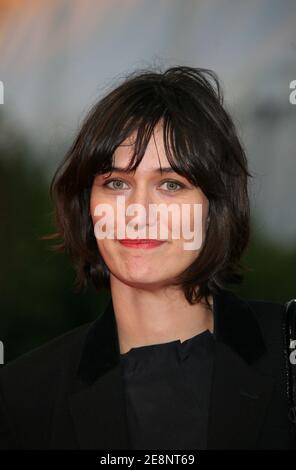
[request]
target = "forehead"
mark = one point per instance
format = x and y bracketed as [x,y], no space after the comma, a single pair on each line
[154,157]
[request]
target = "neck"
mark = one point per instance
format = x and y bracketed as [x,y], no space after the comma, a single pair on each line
[145,317]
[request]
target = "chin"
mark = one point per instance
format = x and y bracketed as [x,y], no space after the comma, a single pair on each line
[140,279]
[142,282]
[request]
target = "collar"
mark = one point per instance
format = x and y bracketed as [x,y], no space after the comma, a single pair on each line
[234,325]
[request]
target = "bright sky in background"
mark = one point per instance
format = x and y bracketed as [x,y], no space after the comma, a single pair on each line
[58,56]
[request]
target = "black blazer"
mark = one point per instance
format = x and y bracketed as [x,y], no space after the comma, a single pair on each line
[68,393]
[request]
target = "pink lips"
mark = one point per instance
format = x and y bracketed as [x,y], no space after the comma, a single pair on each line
[141,243]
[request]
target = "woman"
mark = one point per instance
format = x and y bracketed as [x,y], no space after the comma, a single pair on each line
[176,361]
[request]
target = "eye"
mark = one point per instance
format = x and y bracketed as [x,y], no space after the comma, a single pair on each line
[116,186]
[172,185]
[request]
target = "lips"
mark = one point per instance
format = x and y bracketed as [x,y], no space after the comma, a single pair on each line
[141,243]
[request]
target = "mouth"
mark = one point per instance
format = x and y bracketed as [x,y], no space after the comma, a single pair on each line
[141,243]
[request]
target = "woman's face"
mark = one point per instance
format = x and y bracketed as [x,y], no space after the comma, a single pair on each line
[137,266]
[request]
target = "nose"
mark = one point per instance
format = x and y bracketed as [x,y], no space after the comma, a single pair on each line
[137,205]
[141,195]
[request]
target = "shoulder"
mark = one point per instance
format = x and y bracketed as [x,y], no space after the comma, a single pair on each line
[43,365]
[266,311]
[31,385]
[256,323]
[270,320]
[270,317]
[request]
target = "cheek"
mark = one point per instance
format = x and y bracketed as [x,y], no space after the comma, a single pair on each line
[184,251]
[102,216]
[191,220]
[107,251]
[92,205]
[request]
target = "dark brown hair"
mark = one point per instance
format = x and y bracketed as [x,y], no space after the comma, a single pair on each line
[201,144]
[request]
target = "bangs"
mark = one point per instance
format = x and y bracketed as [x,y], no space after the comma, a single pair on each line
[190,140]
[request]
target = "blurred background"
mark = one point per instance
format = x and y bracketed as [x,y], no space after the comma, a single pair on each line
[58,57]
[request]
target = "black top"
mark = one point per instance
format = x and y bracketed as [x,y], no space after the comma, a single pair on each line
[69,393]
[167,389]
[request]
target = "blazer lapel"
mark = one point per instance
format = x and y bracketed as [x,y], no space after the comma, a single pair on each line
[238,402]
[98,406]
[239,393]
